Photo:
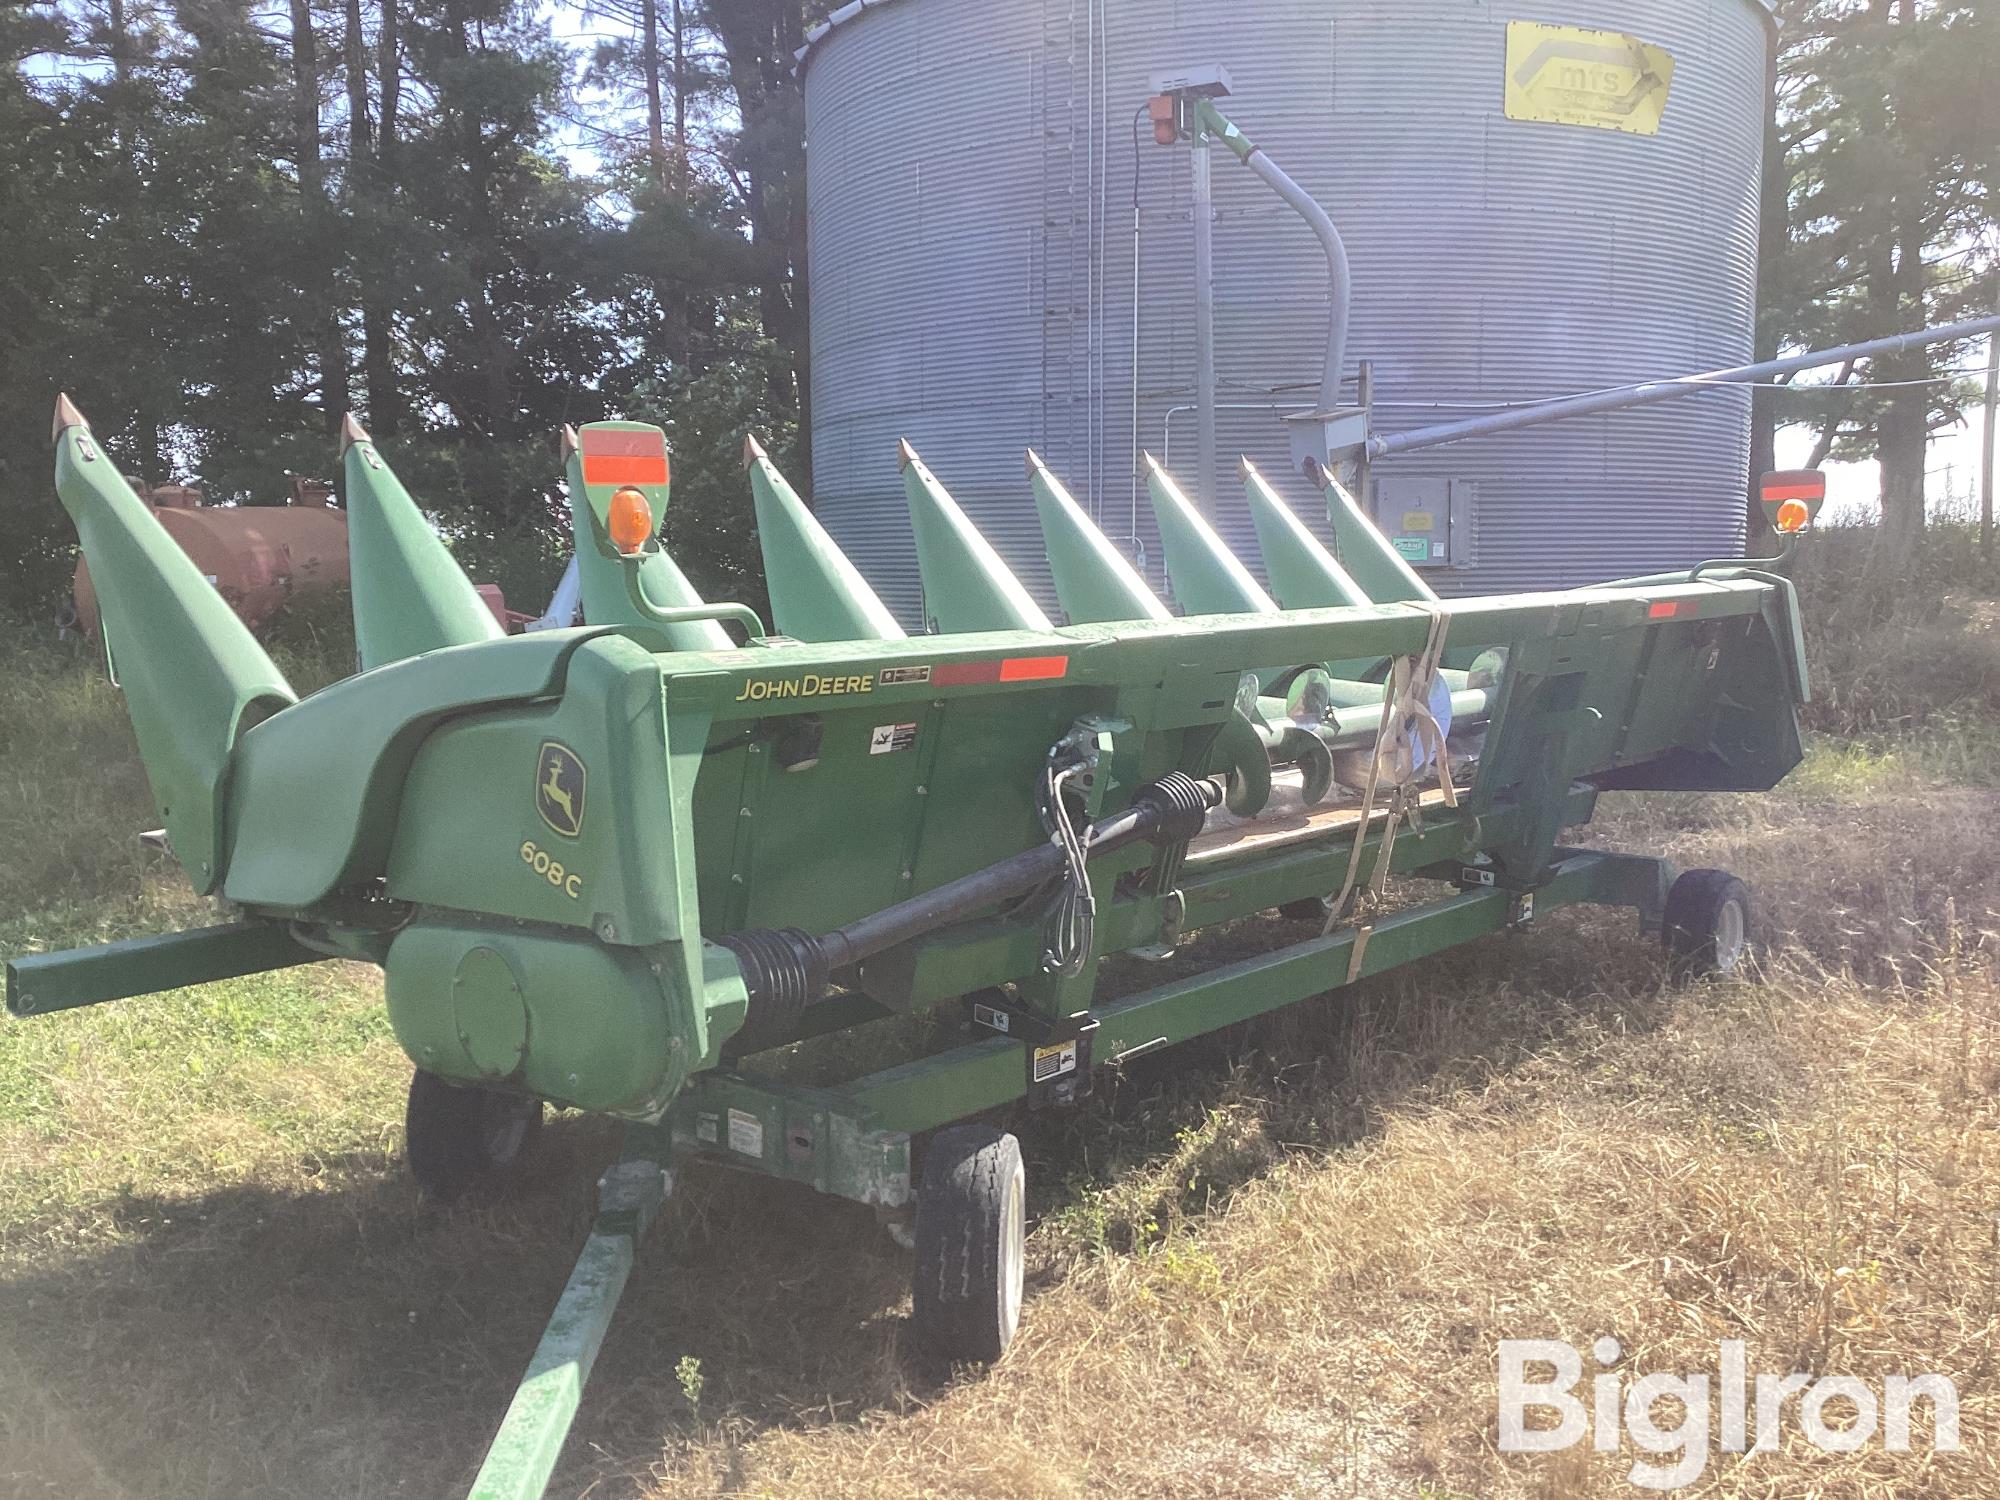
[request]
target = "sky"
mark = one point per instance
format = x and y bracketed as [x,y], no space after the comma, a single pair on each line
[1853,490]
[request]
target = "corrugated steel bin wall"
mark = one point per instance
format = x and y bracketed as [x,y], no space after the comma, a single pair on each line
[970,189]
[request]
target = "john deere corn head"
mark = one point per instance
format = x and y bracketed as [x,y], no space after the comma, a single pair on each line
[615,867]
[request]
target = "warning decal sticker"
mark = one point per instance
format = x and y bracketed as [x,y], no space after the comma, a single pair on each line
[887,739]
[1053,1062]
[746,1133]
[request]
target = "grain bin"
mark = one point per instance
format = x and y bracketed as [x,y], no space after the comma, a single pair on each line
[983,197]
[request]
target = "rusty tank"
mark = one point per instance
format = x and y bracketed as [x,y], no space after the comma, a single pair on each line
[258,556]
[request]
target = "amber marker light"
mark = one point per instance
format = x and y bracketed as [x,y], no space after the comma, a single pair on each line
[1792,499]
[631,521]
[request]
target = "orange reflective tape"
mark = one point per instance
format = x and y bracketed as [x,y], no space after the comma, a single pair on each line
[1777,492]
[1014,669]
[612,468]
[1034,668]
[965,673]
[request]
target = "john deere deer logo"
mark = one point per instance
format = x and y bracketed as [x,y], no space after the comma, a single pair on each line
[559,778]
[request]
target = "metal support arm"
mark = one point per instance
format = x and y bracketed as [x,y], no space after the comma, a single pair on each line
[41,983]
[1647,392]
[687,614]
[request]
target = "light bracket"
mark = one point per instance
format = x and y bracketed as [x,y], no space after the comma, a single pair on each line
[1207,81]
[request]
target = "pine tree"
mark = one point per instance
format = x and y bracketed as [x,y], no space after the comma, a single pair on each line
[1884,146]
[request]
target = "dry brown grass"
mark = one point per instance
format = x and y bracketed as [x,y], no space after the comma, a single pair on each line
[1303,1292]
[1905,653]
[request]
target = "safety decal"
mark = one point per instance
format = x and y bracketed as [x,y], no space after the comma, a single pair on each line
[887,739]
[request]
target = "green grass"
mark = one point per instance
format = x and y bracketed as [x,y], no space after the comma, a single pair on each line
[123,1099]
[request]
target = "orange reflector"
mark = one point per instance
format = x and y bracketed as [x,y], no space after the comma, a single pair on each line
[635,468]
[1793,484]
[625,456]
[1014,669]
[631,521]
[1793,516]
[1665,610]
[965,673]
[1034,668]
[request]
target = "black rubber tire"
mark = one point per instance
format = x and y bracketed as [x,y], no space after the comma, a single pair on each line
[971,1227]
[460,1138]
[1708,925]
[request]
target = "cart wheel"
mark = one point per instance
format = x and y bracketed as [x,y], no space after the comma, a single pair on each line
[461,1137]
[971,1234]
[1707,925]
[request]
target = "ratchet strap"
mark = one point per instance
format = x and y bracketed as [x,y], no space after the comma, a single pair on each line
[1408,729]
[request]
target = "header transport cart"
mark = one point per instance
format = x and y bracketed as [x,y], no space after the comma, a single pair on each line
[610,868]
